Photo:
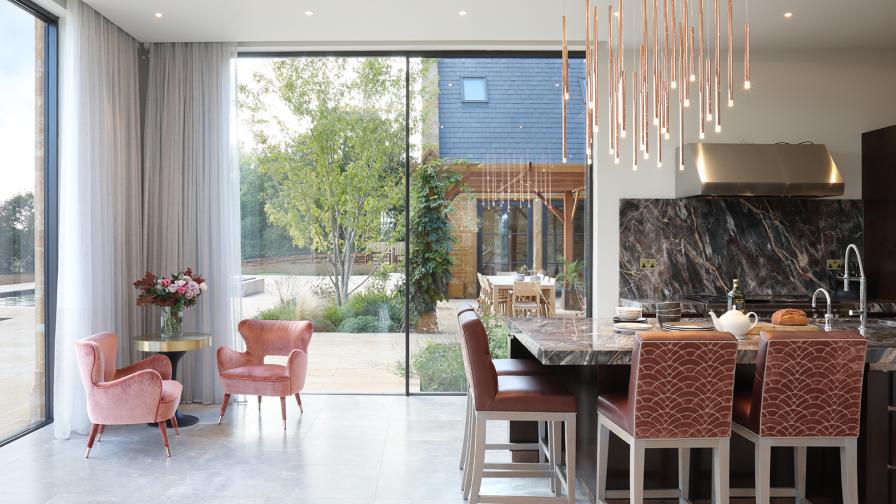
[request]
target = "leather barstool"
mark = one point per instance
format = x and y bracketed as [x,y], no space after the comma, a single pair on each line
[679,396]
[503,367]
[807,391]
[515,398]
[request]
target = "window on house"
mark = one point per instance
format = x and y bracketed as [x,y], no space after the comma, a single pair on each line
[475,89]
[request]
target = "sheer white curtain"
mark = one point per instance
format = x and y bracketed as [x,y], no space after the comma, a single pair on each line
[191,192]
[100,235]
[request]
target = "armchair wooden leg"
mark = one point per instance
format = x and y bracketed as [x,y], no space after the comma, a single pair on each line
[283,411]
[224,404]
[174,424]
[299,401]
[99,434]
[94,428]
[164,430]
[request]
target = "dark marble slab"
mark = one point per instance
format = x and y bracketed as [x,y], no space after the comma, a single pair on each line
[774,246]
[585,341]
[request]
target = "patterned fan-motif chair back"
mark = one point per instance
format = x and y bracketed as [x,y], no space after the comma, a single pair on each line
[682,384]
[809,384]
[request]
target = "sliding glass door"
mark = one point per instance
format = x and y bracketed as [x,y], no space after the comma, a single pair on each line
[368,181]
[27,136]
[323,155]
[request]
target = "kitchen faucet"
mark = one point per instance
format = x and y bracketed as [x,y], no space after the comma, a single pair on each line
[828,316]
[862,312]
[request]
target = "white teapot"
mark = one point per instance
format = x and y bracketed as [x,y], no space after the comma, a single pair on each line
[735,322]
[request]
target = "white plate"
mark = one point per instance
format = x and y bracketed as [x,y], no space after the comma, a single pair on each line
[686,326]
[632,326]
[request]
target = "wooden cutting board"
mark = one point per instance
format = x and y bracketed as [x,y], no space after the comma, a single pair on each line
[767,326]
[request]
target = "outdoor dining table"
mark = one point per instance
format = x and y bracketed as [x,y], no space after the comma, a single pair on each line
[504,283]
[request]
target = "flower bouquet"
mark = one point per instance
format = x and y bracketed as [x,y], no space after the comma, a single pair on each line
[173,294]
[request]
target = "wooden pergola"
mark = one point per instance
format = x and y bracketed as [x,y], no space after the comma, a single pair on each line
[521,181]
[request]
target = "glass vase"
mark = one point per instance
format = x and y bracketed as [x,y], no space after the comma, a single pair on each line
[172,322]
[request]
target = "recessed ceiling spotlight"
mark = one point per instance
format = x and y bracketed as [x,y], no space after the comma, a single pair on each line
[309,13]
[462,13]
[788,15]
[158,15]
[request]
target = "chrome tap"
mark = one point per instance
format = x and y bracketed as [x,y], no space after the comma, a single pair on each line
[828,316]
[862,312]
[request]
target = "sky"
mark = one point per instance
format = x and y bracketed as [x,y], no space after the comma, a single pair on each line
[16,100]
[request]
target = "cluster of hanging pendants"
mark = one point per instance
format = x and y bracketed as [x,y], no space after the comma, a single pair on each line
[686,54]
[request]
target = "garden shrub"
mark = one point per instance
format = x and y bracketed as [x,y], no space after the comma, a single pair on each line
[440,367]
[361,324]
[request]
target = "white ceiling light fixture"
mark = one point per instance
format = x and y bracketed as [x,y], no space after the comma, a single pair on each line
[461,13]
[158,15]
[309,13]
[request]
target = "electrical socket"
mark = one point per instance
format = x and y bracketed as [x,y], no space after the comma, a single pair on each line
[648,263]
[835,264]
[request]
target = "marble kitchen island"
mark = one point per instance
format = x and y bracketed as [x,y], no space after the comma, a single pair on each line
[592,358]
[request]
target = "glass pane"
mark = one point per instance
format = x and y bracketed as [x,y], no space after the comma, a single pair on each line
[22,379]
[323,210]
[474,89]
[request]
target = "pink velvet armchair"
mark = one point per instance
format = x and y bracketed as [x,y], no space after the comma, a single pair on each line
[246,372]
[140,393]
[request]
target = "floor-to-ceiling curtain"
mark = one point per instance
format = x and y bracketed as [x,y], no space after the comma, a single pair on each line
[191,192]
[100,233]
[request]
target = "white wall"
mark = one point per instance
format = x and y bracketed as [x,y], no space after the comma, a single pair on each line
[828,97]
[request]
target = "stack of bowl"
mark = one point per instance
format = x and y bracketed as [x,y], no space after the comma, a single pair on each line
[668,311]
[628,313]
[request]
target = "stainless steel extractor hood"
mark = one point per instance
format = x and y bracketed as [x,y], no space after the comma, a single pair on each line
[798,170]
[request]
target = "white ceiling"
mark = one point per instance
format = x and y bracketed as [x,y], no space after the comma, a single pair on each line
[489,24]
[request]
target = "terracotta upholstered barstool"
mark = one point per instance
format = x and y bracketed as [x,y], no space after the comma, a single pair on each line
[807,391]
[503,367]
[515,398]
[679,396]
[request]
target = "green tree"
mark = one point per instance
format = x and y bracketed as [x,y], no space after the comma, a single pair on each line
[337,164]
[17,234]
[260,238]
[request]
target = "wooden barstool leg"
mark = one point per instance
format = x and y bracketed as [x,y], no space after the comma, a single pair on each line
[763,458]
[636,472]
[571,458]
[799,473]
[556,451]
[720,469]
[465,447]
[603,441]
[684,474]
[478,460]
[848,468]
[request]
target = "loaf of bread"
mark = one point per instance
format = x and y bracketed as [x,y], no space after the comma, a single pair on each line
[789,317]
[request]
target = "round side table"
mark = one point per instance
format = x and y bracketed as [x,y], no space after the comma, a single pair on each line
[174,348]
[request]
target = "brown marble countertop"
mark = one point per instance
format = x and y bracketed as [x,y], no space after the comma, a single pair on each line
[586,341]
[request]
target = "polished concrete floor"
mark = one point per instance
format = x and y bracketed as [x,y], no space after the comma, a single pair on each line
[343,450]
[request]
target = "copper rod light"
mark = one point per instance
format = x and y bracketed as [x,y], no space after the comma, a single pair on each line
[730,75]
[717,82]
[673,67]
[564,85]
[747,83]
[682,62]
[636,140]
[611,79]
[656,73]
[594,61]
[701,87]
[620,49]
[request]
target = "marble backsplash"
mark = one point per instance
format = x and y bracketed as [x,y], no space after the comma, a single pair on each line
[774,246]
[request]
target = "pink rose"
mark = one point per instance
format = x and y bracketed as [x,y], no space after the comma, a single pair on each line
[166,282]
[182,290]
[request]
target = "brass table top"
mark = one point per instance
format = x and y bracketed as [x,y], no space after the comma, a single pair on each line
[183,343]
